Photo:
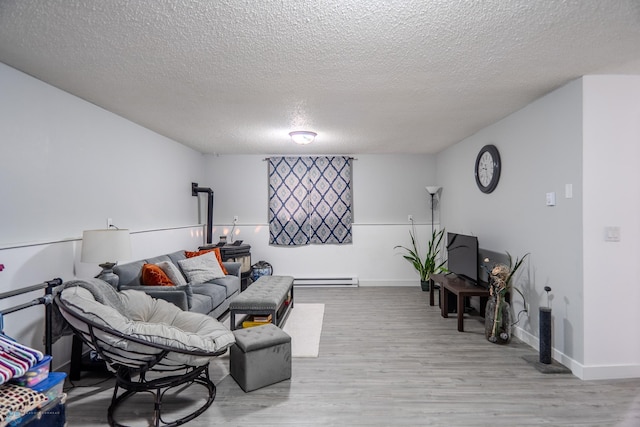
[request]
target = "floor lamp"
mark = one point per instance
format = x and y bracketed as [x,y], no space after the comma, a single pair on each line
[432,190]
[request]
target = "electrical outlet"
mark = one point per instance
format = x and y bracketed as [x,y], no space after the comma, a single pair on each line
[109,222]
[235,219]
[526,307]
[410,218]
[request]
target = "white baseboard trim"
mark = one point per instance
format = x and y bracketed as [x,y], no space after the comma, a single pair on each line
[593,372]
[609,372]
[396,283]
[556,355]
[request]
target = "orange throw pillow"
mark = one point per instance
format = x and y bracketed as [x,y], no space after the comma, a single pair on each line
[152,275]
[189,254]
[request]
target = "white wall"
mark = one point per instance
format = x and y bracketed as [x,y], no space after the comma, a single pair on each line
[544,146]
[611,198]
[386,189]
[67,165]
[541,151]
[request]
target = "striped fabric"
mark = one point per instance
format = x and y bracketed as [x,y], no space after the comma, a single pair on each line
[310,200]
[16,359]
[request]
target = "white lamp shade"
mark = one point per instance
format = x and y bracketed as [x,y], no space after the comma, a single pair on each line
[432,189]
[107,245]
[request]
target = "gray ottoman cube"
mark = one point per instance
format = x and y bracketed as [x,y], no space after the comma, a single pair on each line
[261,356]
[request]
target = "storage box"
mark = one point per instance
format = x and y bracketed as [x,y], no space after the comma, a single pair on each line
[34,375]
[261,356]
[52,386]
[53,414]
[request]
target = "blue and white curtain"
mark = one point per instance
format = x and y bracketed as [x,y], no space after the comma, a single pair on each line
[310,200]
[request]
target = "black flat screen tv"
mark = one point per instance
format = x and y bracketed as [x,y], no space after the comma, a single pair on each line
[462,256]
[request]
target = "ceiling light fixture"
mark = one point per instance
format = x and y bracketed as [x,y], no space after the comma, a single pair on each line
[302,137]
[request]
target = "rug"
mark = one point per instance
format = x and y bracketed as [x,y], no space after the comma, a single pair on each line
[304,325]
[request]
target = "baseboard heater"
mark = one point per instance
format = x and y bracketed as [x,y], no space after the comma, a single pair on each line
[326,281]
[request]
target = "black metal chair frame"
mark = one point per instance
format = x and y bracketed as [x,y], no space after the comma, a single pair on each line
[127,368]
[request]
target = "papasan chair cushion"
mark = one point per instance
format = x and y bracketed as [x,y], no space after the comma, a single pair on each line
[137,335]
[138,315]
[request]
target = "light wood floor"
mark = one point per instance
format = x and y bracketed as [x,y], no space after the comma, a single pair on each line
[388,359]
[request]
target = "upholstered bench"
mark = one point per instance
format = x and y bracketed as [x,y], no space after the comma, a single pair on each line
[260,356]
[269,295]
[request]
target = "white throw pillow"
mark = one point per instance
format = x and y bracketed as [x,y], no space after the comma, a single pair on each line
[202,268]
[172,272]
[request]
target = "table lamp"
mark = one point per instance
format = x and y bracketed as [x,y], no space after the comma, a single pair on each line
[107,247]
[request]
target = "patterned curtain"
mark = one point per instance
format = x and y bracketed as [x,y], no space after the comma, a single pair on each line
[309,200]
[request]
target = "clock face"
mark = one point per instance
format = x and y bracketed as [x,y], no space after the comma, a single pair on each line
[487,168]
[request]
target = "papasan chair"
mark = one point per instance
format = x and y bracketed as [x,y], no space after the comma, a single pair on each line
[151,345]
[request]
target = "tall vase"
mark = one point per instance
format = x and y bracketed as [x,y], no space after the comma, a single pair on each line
[497,320]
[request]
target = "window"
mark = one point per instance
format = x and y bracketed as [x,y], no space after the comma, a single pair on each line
[310,200]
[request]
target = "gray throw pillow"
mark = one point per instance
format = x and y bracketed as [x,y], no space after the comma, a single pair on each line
[202,268]
[172,272]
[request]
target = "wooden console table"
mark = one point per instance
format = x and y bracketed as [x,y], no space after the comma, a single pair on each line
[242,254]
[451,284]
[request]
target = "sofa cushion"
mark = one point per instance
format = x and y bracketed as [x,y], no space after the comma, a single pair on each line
[173,272]
[129,274]
[189,254]
[230,283]
[215,294]
[201,268]
[157,259]
[200,304]
[152,275]
[176,256]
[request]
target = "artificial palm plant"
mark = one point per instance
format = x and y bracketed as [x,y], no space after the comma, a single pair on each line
[430,264]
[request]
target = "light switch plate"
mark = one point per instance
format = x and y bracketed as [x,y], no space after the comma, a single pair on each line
[568,191]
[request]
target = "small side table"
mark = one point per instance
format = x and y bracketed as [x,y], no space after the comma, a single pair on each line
[462,289]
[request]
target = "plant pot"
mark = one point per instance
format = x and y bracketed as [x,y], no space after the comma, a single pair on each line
[424,284]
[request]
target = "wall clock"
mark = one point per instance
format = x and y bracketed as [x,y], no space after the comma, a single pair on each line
[487,169]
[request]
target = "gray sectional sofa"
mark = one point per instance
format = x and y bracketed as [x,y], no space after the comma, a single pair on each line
[211,298]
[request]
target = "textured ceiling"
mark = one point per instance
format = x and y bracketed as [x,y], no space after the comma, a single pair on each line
[396,76]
